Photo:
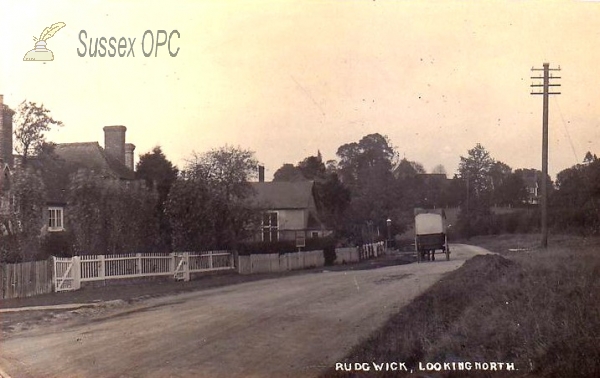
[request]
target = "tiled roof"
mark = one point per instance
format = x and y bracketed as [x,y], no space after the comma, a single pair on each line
[70,158]
[285,195]
[93,157]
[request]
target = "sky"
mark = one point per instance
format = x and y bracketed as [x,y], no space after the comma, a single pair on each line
[286,79]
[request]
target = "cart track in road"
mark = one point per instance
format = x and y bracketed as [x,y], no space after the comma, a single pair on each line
[294,326]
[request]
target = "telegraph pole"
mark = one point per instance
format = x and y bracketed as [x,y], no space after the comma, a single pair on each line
[545,92]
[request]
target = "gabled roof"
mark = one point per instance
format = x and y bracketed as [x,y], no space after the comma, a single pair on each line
[93,157]
[70,158]
[285,195]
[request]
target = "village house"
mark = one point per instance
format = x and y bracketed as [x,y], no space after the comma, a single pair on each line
[289,210]
[115,161]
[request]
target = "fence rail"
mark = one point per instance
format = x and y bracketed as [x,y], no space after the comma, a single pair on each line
[26,279]
[70,272]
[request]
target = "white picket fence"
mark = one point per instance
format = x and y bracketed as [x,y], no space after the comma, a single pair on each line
[70,272]
[371,250]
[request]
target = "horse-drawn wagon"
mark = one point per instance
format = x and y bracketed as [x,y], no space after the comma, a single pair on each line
[430,233]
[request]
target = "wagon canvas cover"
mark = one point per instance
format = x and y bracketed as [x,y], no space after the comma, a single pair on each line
[429,222]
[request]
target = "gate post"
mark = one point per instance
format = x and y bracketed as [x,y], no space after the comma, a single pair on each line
[76,271]
[186,266]
[101,268]
[172,264]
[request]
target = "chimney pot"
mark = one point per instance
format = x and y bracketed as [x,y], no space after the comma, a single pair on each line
[129,158]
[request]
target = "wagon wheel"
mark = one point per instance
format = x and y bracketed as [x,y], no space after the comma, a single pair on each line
[433,255]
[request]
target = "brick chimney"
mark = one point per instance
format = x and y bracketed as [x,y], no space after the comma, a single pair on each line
[261,173]
[114,142]
[6,133]
[129,159]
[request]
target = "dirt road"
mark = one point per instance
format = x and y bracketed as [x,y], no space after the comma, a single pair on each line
[294,326]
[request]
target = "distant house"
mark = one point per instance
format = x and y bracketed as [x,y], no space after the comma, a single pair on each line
[530,178]
[289,209]
[114,161]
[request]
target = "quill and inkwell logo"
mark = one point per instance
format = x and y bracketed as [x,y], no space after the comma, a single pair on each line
[40,53]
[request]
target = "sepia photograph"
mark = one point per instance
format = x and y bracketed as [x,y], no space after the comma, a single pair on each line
[287,188]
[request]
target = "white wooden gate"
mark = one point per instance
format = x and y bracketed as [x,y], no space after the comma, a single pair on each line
[182,273]
[66,274]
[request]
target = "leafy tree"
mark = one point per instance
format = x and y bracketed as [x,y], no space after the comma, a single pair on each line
[371,156]
[227,170]
[32,122]
[576,202]
[214,186]
[160,175]
[289,173]
[189,210]
[476,169]
[407,169]
[313,168]
[499,174]
[108,216]
[157,171]
[366,168]
[333,199]
[408,185]
[512,191]
[20,227]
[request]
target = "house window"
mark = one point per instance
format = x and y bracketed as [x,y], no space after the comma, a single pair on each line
[314,234]
[55,219]
[270,227]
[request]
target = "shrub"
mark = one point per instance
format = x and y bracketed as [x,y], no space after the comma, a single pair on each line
[9,249]
[59,244]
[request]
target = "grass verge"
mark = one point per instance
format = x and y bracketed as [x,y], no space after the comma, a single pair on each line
[536,309]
